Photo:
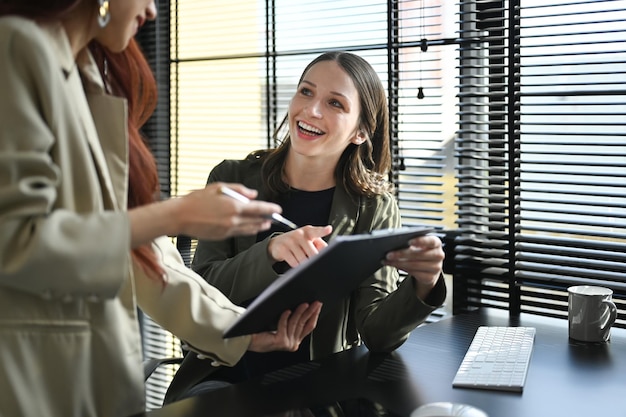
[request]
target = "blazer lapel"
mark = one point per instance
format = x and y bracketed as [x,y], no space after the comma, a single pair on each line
[344,213]
[106,131]
[111,153]
[252,180]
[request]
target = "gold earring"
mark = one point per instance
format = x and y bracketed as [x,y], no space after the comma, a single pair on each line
[104,15]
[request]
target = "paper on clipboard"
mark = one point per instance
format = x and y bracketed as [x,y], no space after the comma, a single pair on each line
[330,276]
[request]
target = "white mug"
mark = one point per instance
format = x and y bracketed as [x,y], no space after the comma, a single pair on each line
[591,313]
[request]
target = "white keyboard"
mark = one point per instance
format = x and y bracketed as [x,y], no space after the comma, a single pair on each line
[497,359]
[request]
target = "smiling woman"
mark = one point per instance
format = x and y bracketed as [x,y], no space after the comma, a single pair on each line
[329,174]
[341,98]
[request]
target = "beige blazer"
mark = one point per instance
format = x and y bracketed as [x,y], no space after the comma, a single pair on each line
[69,337]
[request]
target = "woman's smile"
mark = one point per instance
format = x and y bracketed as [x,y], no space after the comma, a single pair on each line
[308,132]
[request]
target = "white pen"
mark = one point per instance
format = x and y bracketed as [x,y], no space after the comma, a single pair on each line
[277,218]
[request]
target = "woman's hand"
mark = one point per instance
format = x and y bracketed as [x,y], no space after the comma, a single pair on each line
[204,214]
[423,260]
[292,329]
[298,245]
[211,215]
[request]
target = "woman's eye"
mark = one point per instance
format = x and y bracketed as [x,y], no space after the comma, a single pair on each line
[305,91]
[336,103]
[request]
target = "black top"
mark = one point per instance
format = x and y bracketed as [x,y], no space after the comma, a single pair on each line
[303,208]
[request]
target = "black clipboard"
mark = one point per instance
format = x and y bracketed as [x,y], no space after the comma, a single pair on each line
[331,275]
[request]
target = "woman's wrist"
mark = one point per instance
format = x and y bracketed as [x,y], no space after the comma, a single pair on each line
[153,220]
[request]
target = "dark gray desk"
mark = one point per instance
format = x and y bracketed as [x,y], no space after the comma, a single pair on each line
[565,378]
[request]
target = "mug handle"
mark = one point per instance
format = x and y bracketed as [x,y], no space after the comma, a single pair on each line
[610,316]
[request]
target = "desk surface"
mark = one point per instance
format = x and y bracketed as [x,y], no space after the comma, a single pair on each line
[565,378]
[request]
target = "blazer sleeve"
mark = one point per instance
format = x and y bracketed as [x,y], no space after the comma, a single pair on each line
[46,249]
[191,309]
[386,309]
[239,267]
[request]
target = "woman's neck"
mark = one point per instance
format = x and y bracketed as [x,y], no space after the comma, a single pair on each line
[79,27]
[309,174]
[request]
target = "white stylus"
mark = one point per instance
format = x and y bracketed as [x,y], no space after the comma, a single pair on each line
[277,218]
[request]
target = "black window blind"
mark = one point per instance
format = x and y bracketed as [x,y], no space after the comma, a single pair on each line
[541,154]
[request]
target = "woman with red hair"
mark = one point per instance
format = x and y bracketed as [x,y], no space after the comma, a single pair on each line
[83,239]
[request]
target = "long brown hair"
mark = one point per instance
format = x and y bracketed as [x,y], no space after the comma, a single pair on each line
[362,169]
[130,76]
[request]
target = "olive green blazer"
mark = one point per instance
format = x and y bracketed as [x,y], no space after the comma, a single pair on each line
[380,312]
